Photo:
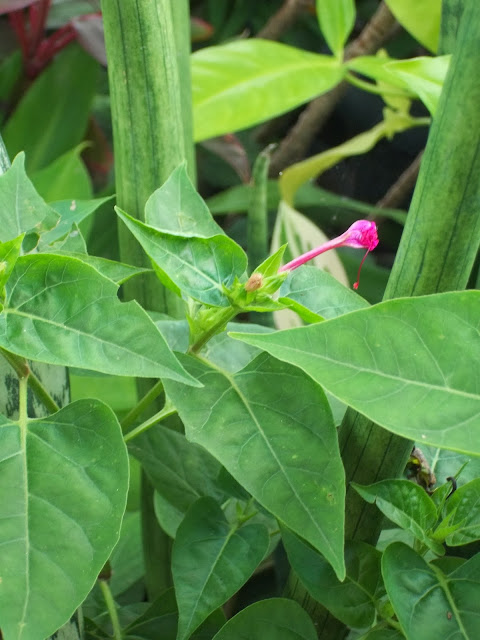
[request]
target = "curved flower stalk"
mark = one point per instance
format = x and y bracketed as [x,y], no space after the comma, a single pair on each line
[362,234]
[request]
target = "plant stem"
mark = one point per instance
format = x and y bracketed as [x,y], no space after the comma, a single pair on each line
[146,43]
[21,368]
[224,316]
[151,395]
[283,19]
[111,608]
[167,410]
[370,87]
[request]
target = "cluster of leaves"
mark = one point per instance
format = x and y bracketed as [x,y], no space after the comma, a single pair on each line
[260,449]
[257,459]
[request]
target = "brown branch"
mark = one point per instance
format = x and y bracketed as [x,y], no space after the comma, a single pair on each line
[404,185]
[283,19]
[294,146]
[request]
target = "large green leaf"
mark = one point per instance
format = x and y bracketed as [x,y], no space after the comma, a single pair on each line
[445,463]
[318,291]
[271,427]
[421,18]
[406,504]
[336,19]
[22,209]
[60,310]
[9,254]
[62,497]
[429,603]
[352,601]
[180,471]
[52,116]
[398,354]
[211,560]
[242,83]
[199,267]
[274,619]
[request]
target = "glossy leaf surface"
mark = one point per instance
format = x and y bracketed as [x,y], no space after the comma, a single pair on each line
[397,354]
[336,19]
[271,427]
[429,603]
[423,76]
[211,560]
[61,311]
[57,535]
[420,17]
[241,83]
[274,619]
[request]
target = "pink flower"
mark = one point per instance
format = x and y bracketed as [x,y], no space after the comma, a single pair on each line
[361,235]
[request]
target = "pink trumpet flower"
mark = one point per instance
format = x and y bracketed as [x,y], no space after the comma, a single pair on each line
[361,235]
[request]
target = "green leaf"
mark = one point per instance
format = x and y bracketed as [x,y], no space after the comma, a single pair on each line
[237,199]
[178,209]
[160,621]
[224,352]
[464,505]
[298,174]
[271,427]
[406,504]
[65,177]
[319,292]
[72,212]
[352,601]
[382,633]
[241,83]
[274,619]
[423,76]
[62,311]
[199,267]
[52,116]
[211,560]
[421,18]
[63,494]
[180,471]
[118,272]
[127,558]
[336,19]
[397,354]
[21,206]
[430,604]
[445,464]
[9,253]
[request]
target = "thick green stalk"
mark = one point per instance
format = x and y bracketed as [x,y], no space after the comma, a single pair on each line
[146,44]
[437,251]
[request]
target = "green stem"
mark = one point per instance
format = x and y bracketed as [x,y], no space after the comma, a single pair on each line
[21,368]
[373,88]
[151,395]
[22,407]
[111,608]
[167,410]
[257,222]
[223,316]
[4,158]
